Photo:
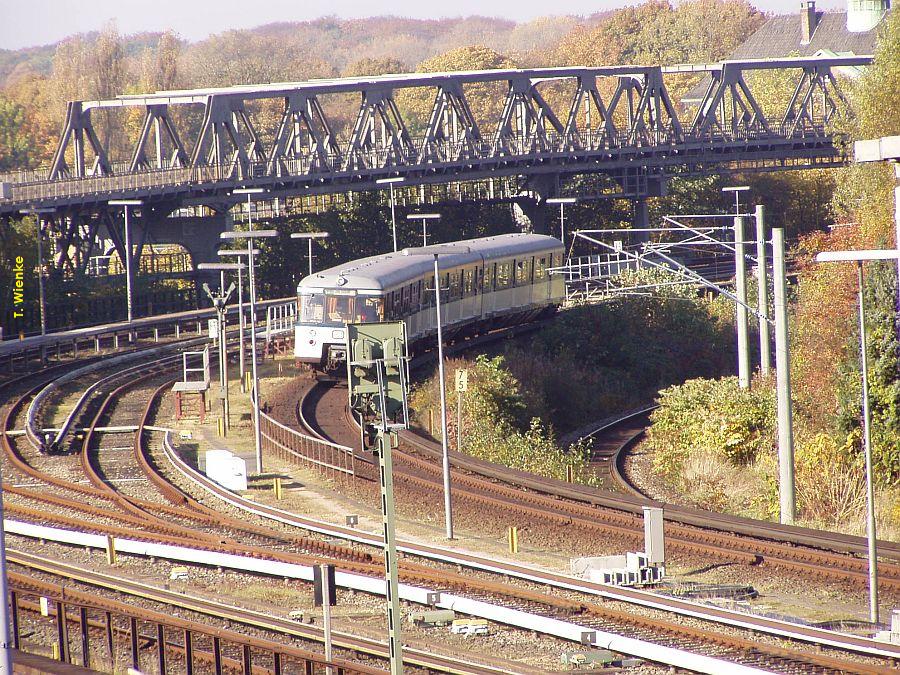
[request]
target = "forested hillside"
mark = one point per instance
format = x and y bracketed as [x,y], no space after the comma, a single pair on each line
[35,83]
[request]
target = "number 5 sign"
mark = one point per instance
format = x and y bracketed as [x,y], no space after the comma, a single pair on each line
[462,380]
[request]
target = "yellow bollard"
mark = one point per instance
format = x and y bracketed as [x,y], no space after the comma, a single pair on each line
[54,648]
[248,376]
[512,536]
[110,550]
[277,488]
[220,427]
[570,474]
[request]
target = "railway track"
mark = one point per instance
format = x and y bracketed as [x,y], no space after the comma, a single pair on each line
[600,515]
[741,650]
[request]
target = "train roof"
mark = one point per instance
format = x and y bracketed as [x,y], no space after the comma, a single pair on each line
[391,269]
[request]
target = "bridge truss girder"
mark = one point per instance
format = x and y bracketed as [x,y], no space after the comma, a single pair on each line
[638,125]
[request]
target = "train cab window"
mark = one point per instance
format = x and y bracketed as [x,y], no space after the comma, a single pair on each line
[523,272]
[415,300]
[339,308]
[540,268]
[468,282]
[369,309]
[312,308]
[504,276]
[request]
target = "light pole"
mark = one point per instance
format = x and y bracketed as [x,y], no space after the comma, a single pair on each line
[219,302]
[40,252]
[436,252]
[128,272]
[424,217]
[390,183]
[562,201]
[309,236]
[859,257]
[249,192]
[254,393]
[241,359]
[740,286]
[737,190]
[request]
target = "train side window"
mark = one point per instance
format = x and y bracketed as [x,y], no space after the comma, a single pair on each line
[468,282]
[504,275]
[455,285]
[540,267]
[523,272]
[489,274]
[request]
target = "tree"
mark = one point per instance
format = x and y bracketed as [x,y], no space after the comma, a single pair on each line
[15,150]
[485,100]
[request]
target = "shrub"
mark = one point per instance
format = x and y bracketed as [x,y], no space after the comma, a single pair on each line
[495,425]
[715,416]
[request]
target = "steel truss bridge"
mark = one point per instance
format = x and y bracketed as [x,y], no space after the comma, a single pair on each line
[555,123]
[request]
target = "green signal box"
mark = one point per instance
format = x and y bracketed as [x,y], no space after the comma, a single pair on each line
[377,374]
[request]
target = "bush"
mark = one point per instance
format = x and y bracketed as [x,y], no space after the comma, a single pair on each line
[712,416]
[495,424]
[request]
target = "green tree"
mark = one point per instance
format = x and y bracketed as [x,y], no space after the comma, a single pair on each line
[15,148]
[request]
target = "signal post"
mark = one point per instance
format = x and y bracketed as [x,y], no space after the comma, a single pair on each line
[377,379]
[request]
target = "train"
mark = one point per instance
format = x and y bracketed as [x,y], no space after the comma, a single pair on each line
[503,280]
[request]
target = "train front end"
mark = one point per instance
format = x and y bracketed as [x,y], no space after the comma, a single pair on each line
[323,313]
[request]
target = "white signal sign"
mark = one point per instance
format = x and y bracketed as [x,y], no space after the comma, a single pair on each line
[462,379]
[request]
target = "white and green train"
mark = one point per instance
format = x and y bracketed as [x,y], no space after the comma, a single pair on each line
[502,280]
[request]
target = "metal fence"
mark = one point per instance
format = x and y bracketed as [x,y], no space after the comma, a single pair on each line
[334,460]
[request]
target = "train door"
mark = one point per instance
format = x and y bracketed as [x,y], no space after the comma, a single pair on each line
[541,280]
[504,290]
[488,290]
[469,293]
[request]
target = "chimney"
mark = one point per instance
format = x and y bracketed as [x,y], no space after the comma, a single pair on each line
[808,21]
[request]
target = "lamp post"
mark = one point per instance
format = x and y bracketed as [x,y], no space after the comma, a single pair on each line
[254,394]
[737,190]
[859,257]
[740,287]
[436,252]
[562,201]
[249,192]
[241,360]
[219,302]
[128,272]
[390,183]
[40,252]
[309,236]
[424,217]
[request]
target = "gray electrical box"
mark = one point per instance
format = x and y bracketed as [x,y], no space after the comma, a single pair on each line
[654,540]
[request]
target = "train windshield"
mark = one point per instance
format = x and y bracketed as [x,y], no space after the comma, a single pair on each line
[336,309]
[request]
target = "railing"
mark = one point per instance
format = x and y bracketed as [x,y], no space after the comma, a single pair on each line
[345,164]
[111,636]
[336,461]
[280,318]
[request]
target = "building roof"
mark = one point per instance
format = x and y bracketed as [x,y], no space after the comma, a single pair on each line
[390,269]
[781,36]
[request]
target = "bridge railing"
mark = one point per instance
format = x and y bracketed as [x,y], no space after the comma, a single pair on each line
[36,187]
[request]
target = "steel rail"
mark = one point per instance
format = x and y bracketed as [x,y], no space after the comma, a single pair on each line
[247,617]
[536,575]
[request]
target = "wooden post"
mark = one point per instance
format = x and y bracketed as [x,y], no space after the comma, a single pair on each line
[110,550]
[512,536]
